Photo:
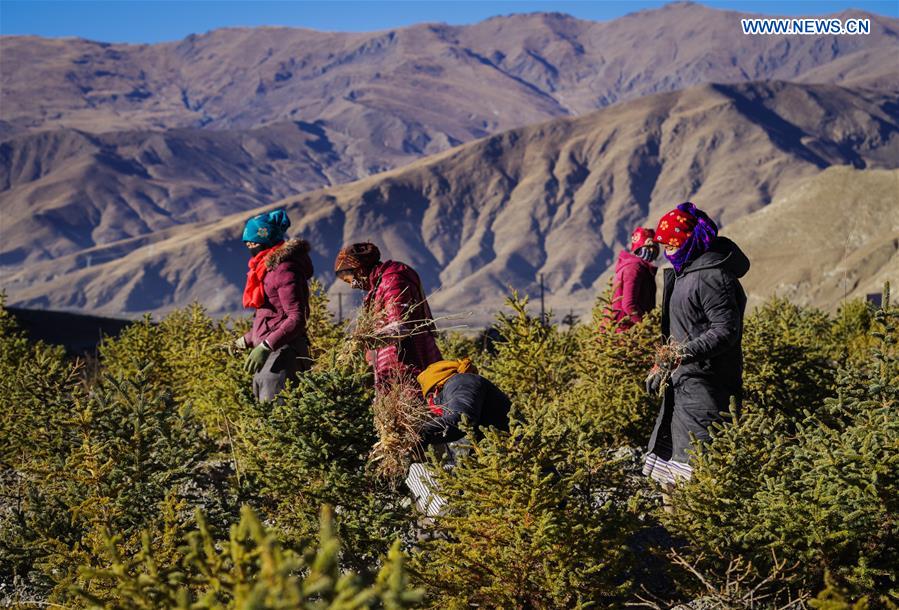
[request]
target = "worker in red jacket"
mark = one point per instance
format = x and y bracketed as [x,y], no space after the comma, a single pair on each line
[635,280]
[395,289]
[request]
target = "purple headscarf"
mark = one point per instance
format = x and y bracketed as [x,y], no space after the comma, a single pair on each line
[704,233]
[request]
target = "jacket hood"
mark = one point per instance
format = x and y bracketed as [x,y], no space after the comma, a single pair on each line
[294,251]
[390,272]
[390,268]
[626,258]
[722,253]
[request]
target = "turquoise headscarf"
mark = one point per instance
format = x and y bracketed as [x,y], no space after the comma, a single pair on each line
[267,229]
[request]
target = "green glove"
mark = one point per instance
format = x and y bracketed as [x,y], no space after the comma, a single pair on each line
[256,359]
[240,343]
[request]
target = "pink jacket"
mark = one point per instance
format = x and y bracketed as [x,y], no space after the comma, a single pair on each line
[397,288]
[282,317]
[634,289]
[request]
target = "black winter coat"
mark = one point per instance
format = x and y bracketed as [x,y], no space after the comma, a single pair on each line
[702,308]
[470,395]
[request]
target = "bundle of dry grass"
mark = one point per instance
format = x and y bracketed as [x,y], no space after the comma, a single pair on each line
[399,409]
[364,332]
[399,413]
[668,356]
[376,325]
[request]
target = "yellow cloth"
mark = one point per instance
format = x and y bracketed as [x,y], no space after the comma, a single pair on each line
[439,373]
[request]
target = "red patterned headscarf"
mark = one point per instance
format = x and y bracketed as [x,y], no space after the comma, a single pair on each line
[642,236]
[690,230]
[675,228]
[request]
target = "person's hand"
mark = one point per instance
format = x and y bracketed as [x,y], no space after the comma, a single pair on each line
[653,383]
[256,358]
[234,347]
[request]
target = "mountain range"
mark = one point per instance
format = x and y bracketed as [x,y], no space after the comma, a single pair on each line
[426,84]
[554,198]
[485,154]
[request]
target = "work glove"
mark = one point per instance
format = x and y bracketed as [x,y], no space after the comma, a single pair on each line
[256,358]
[653,383]
[240,343]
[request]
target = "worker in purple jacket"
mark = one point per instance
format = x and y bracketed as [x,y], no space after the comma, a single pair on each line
[277,288]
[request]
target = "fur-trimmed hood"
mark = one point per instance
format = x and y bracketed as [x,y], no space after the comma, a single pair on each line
[281,317]
[293,251]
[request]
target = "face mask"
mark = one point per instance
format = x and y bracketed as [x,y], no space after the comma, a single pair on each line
[354,280]
[648,253]
[255,249]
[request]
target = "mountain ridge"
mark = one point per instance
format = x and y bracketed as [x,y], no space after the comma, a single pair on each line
[557,198]
[333,108]
[298,73]
[463,140]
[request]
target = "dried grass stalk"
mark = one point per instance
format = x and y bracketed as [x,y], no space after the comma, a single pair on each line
[373,327]
[364,332]
[399,414]
[667,357]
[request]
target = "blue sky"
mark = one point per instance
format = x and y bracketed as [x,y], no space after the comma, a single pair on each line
[139,21]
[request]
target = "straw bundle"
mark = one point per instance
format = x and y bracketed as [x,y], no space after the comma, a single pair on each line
[399,414]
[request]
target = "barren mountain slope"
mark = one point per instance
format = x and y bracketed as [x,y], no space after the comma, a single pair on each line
[876,68]
[833,236]
[66,190]
[557,198]
[425,85]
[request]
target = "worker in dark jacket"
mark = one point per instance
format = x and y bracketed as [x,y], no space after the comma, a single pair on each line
[277,288]
[702,313]
[454,390]
[634,289]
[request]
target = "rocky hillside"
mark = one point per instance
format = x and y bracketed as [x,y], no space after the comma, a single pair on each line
[509,71]
[104,142]
[557,198]
[65,190]
[833,236]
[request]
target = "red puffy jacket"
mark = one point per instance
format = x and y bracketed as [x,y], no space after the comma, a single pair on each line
[634,289]
[396,288]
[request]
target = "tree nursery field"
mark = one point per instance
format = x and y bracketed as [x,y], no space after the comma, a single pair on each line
[148,477]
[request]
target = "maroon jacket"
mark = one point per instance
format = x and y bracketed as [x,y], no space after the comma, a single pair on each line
[397,288]
[281,319]
[634,289]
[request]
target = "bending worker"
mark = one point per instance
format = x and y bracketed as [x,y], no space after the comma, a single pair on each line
[454,391]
